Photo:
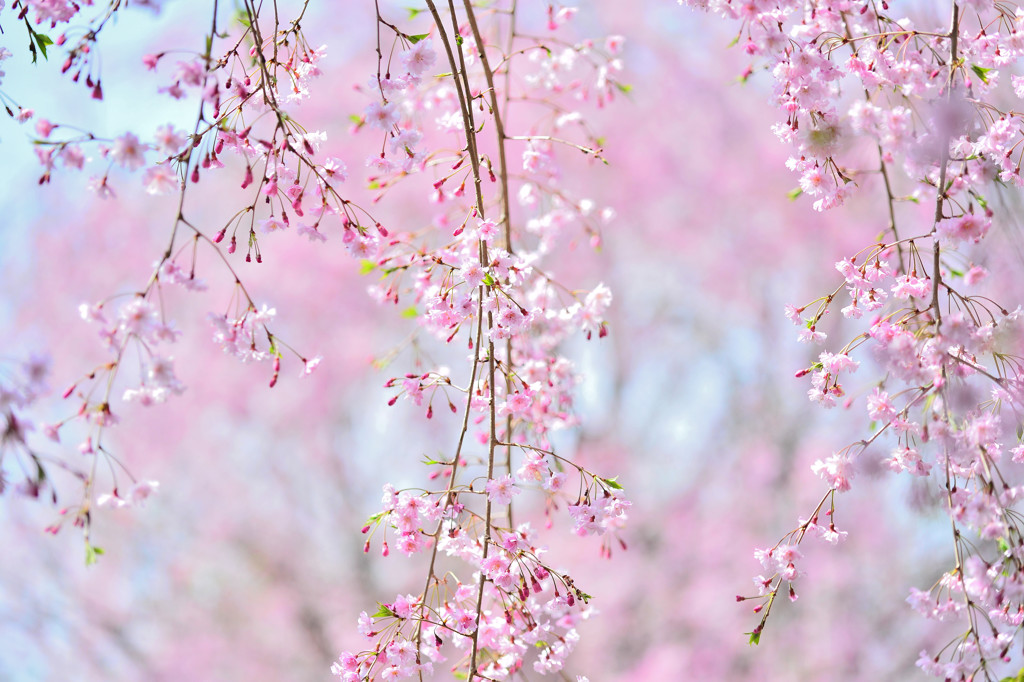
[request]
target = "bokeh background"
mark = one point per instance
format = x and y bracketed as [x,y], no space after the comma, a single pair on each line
[248,563]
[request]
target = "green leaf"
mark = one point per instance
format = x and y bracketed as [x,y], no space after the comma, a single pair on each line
[981,201]
[413,12]
[982,73]
[410,312]
[584,596]
[91,554]
[418,37]
[611,483]
[735,41]
[794,193]
[42,40]
[488,280]
[384,611]
[755,637]
[366,266]
[623,87]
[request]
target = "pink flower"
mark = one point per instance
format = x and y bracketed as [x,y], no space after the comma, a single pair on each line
[908,286]
[493,565]
[272,224]
[312,233]
[381,115]
[419,57]
[44,127]
[142,490]
[487,229]
[809,335]
[404,605]
[968,227]
[72,157]
[472,273]
[160,180]
[170,141]
[465,622]
[880,408]
[518,403]
[501,490]
[975,275]
[837,471]
[128,152]
[534,467]
[334,169]
[309,365]
[555,481]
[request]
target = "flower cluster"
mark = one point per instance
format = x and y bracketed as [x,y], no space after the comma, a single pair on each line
[474,277]
[866,94]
